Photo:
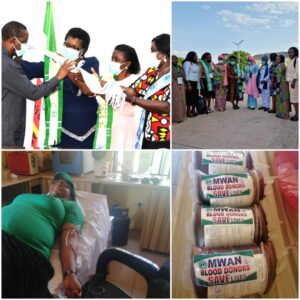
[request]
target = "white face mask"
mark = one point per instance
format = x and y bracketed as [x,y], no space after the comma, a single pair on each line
[23,50]
[115,68]
[221,61]
[154,60]
[70,53]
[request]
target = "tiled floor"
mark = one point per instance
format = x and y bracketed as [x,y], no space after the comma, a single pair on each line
[127,279]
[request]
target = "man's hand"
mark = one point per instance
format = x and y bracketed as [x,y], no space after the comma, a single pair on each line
[72,286]
[64,69]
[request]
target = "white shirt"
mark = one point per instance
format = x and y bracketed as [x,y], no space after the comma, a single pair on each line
[191,71]
[291,71]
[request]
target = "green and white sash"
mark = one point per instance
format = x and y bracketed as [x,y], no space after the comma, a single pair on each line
[53,103]
[103,132]
[53,106]
[207,71]
[237,70]
[239,85]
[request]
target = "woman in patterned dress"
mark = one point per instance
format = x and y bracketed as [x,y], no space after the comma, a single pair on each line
[155,126]
[273,82]
[282,93]
[220,84]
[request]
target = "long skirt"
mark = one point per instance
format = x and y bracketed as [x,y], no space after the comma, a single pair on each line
[294,93]
[282,105]
[252,103]
[221,95]
[178,103]
[265,98]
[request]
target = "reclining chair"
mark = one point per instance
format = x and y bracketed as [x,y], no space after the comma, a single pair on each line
[158,281]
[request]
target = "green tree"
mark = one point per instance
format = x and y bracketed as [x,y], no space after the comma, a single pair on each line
[180,61]
[243,58]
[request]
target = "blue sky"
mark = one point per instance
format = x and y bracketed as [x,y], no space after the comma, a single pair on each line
[213,26]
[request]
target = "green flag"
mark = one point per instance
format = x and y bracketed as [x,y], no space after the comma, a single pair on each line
[53,102]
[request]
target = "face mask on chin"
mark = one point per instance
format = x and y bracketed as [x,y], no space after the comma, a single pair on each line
[70,53]
[23,50]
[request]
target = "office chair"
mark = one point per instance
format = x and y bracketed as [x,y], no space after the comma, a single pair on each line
[99,287]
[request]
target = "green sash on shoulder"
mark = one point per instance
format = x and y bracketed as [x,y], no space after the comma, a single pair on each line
[207,70]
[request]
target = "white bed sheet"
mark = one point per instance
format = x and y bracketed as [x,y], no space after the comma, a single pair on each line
[92,241]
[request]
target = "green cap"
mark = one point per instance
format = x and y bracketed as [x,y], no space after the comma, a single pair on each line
[68,179]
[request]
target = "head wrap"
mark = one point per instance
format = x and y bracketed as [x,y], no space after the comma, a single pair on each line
[221,57]
[264,57]
[68,179]
[250,58]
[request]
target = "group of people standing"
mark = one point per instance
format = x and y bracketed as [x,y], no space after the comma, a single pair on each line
[200,81]
[144,121]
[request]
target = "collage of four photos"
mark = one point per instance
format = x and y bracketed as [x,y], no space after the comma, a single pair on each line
[149,149]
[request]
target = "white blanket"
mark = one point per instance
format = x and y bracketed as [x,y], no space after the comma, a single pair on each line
[92,241]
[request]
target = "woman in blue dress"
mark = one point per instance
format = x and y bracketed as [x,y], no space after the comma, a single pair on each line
[79,106]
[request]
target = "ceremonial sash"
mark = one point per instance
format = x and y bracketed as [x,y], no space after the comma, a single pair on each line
[207,70]
[237,70]
[154,88]
[53,103]
[53,106]
[102,139]
[103,132]
[36,120]
[239,86]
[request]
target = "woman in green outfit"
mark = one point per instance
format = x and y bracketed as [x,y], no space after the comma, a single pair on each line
[282,92]
[30,225]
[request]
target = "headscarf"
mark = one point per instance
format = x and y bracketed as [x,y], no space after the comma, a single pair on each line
[68,179]
[221,57]
[264,58]
[250,58]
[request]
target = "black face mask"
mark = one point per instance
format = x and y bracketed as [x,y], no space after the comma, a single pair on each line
[208,60]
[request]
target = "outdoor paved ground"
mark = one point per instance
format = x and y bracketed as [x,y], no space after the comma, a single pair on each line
[236,129]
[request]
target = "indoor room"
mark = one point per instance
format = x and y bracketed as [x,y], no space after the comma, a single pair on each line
[124,196]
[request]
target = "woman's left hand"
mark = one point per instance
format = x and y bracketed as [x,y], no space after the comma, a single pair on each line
[76,76]
[293,84]
[72,286]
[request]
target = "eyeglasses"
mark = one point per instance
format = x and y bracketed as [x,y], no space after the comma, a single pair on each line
[71,46]
[62,183]
[19,41]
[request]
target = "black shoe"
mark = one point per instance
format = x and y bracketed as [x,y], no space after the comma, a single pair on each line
[294,118]
[252,108]
[261,108]
[266,109]
[271,111]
